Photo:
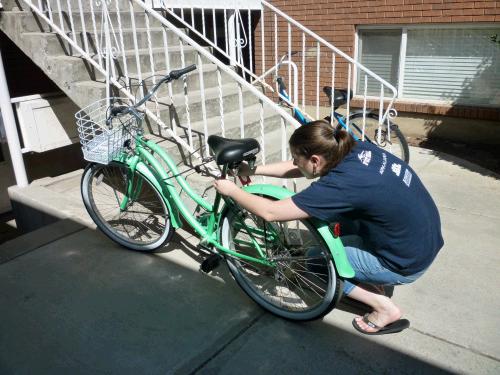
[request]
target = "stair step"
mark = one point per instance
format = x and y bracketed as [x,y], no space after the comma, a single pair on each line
[178,112]
[230,101]
[251,118]
[56,45]
[271,143]
[231,128]
[79,70]
[123,5]
[209,79]
[159,56]
[31,23]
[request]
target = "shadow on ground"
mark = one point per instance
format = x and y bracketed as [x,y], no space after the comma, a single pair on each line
[81,303]
[8,230]
[479,158]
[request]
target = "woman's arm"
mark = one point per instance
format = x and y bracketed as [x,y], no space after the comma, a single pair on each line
[284,169]
[269,210]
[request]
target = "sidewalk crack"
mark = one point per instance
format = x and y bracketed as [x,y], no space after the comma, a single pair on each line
[489,356]
[229,342]
[467,212]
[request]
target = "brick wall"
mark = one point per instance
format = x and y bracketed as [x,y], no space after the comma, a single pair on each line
[336,21]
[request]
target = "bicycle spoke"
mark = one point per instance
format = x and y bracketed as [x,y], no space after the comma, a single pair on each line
[143,218]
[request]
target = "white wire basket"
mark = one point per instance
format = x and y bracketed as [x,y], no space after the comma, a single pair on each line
[102,143]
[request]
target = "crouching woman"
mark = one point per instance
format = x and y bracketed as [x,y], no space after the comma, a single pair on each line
[393,216]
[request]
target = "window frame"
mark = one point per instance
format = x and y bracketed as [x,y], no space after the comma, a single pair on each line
[402,56]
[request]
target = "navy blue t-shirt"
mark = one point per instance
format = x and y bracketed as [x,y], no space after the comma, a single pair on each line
[398,219]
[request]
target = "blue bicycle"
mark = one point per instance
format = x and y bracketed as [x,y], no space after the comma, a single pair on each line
[389,138]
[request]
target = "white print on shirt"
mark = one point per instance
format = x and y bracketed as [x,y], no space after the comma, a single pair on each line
[396,168]
[384,163]
[407,178]
[365,157]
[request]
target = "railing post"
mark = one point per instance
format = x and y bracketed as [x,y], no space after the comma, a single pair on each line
[9,122]
[109,53]
[231,26]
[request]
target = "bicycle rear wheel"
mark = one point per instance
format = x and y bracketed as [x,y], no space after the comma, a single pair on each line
[396,143]
[143,224]
[302,284]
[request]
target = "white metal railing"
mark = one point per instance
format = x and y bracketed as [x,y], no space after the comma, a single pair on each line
[126,40]
[258,51]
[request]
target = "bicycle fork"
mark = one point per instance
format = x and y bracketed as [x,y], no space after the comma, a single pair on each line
[133,190]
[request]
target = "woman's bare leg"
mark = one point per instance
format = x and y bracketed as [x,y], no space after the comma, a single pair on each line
[384,310]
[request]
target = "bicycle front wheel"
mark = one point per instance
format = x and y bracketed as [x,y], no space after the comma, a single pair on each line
[126,207]
[301,284]
[395,143]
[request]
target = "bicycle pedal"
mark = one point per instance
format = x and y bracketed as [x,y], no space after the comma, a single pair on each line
[206,248]
[211,263]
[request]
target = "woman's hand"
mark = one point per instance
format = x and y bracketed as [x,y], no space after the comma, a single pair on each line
[225,187]
[245,170]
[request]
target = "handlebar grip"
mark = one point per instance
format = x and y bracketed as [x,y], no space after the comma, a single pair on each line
[175,74]
[281,84]
[119,110]
[114,111]
[328,91]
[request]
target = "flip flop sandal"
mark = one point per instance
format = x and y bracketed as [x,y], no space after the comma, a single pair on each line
[393,327]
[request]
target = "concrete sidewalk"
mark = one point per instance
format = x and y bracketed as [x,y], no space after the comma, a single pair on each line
[71,301]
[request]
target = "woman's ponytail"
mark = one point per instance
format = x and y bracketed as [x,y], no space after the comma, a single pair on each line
[320,138]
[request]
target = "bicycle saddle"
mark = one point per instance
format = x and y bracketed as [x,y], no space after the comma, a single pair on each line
[339,96]
[233,150]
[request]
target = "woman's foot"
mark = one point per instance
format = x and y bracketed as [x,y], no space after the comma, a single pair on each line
[384,313]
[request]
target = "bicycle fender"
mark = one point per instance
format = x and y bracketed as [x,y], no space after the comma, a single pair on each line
[335,245]
[174,213]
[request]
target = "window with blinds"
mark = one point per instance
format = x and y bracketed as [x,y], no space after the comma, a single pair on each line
[459,65]
[379,53]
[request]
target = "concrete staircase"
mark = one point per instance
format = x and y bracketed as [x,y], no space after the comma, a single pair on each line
[83,84]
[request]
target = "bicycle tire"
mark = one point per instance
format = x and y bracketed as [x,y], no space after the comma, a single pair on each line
[303,285]
[397,146]
[144,225]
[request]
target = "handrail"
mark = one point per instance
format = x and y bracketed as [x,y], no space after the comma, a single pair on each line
[329,45]
[235,22]
[214,60]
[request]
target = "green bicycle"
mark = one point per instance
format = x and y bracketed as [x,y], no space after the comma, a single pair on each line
[131,197]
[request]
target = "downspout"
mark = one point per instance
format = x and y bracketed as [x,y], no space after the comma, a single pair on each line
[9,122]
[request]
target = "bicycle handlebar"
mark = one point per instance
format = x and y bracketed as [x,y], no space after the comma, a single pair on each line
[123,109]
[281,84]
[175,74]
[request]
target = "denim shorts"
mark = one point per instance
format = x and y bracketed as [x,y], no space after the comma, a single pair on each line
[368,268]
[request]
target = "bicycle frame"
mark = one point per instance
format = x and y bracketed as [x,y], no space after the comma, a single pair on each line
[301,118]
[206,226]
[144,160]
[150,167]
